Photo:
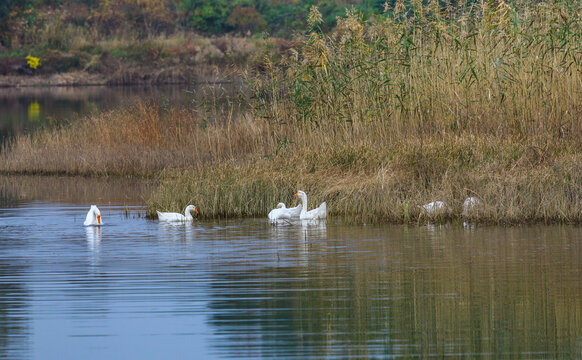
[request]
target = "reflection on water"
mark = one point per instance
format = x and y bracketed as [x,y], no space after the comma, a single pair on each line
[22,110]
[246,289]
[14,321]
[129,191]
[93,244]
[301,229]
[178,231]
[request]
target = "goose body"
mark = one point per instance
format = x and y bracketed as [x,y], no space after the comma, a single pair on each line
[471,204]
[314,214]
[281,212]
[93,217]
[435,207]
[175,217]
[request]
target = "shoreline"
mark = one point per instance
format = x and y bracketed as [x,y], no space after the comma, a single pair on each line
[157,189]
[17,81]
[73,79]
[166,60]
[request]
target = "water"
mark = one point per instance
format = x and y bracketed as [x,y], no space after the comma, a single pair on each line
[135,288]
[23,110]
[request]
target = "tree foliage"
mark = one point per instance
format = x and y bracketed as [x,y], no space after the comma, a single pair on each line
[246,18]
[9,11]
[280,18]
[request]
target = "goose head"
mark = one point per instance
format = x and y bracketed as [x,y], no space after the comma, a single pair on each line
[93,216]
[300,194]
[96,213]
[191,208]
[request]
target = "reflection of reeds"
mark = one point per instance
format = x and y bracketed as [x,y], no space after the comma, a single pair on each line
[75,189]
[375,118]
[419,292]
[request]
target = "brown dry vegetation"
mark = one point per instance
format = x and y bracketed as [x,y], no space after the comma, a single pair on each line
[375,119]
[243,167]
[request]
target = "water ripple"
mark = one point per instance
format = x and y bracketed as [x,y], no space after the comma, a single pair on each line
[246,289]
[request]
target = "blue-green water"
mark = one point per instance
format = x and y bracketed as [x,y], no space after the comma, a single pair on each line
[241,288]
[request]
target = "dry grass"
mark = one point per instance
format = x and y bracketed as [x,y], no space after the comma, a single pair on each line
[244,167]
[140,140]
[504,71]
[516,182]
[375,119]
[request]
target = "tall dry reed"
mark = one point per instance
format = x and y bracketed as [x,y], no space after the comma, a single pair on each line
[497,69]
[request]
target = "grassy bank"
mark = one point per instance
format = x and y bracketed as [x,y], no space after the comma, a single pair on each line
[244,167]
[128,42]
[516,182]
[125,59]
[375,119]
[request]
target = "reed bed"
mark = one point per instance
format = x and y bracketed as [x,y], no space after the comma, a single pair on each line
[375,118]
[366,184]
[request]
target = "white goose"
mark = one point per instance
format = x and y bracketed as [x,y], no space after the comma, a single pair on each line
[471,204]
[169,216]
[93,217]
[315,214]
[435,207]
[281,212]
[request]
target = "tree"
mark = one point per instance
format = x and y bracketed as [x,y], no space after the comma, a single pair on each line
[7,8]
[246,18]
[208,16]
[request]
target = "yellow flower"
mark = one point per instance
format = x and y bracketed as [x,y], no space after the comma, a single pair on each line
[33,62]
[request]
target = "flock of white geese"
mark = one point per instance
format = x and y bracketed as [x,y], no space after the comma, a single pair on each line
[283,213]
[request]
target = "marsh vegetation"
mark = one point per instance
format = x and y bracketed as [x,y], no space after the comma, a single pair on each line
[424,103]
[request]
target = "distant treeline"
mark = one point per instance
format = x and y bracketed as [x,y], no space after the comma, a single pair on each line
[281,18]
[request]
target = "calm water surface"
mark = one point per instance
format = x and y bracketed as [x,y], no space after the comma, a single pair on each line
[25,109]
[135,288]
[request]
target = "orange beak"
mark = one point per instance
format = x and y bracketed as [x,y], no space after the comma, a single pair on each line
[99,219]
[196,210]
[297,193]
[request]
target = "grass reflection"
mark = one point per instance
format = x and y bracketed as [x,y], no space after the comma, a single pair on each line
[74,189]
[493,292]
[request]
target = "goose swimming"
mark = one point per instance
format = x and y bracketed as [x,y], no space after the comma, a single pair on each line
[171,216]
[314,214]
[93,217]
[281,212]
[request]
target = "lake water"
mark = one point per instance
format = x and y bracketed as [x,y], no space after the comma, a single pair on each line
[23,110]
[138,289]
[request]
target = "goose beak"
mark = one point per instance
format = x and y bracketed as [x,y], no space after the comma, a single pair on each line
[99,219]
[196,210]
[297,193]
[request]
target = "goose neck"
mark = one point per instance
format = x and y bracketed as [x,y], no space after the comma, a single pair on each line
[303,202]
